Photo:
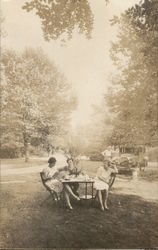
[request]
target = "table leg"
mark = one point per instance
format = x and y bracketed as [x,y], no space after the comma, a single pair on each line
[92,190]
[63,196]
[92,200]
[86,191]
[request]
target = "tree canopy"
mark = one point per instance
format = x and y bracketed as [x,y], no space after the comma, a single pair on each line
[62,17]
[36,99]
[134,95]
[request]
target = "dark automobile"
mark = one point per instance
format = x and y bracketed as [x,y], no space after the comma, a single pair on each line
[96,156]
[126,164]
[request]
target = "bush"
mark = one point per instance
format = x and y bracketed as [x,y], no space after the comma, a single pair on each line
[37,151]
[11,152]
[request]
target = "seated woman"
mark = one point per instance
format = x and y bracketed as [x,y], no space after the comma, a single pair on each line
[102,182]
[72,170]
[51,175]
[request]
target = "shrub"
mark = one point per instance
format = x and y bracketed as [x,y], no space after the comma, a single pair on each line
[11,153]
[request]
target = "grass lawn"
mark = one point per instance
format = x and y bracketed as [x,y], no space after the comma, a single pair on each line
[28,222]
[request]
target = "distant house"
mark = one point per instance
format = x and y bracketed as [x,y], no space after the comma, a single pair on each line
[132,149]
[139,147]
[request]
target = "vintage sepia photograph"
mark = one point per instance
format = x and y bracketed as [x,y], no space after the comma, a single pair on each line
[79,124]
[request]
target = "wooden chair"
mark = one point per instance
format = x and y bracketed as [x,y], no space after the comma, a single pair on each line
[53,195]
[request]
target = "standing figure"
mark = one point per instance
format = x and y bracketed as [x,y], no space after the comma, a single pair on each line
[102,182]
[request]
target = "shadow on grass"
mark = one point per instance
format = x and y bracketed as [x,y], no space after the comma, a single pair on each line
[30,223]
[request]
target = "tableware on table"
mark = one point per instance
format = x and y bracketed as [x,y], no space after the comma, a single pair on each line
[86,177]
[67,178]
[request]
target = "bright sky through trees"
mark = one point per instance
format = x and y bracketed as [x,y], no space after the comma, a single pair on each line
[85,63]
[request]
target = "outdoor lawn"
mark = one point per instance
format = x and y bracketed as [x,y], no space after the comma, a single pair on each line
[29,222]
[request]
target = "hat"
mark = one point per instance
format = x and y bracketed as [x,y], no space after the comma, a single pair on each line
[52,160]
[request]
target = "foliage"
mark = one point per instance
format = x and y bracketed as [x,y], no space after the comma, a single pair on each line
[62,17]
[133,97]
[36,99]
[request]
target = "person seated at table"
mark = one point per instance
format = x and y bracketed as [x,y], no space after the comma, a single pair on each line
[68,172]
[102,182]
[51,175]
[73,171]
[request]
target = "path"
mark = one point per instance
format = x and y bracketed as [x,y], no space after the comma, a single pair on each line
[146,190]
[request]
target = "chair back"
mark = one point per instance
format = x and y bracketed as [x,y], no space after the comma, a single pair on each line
[112,179]
[44,182]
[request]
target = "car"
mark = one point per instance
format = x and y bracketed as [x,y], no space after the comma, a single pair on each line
[126,163]
[96,156]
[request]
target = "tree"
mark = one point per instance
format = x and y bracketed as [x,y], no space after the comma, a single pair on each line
[62,17]
[133,97]
[36,100]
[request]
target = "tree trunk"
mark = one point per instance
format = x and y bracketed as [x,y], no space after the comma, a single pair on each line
[26,147]
[26,151]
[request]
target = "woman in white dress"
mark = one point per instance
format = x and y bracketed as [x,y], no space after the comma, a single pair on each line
[102,182]
[50,175]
